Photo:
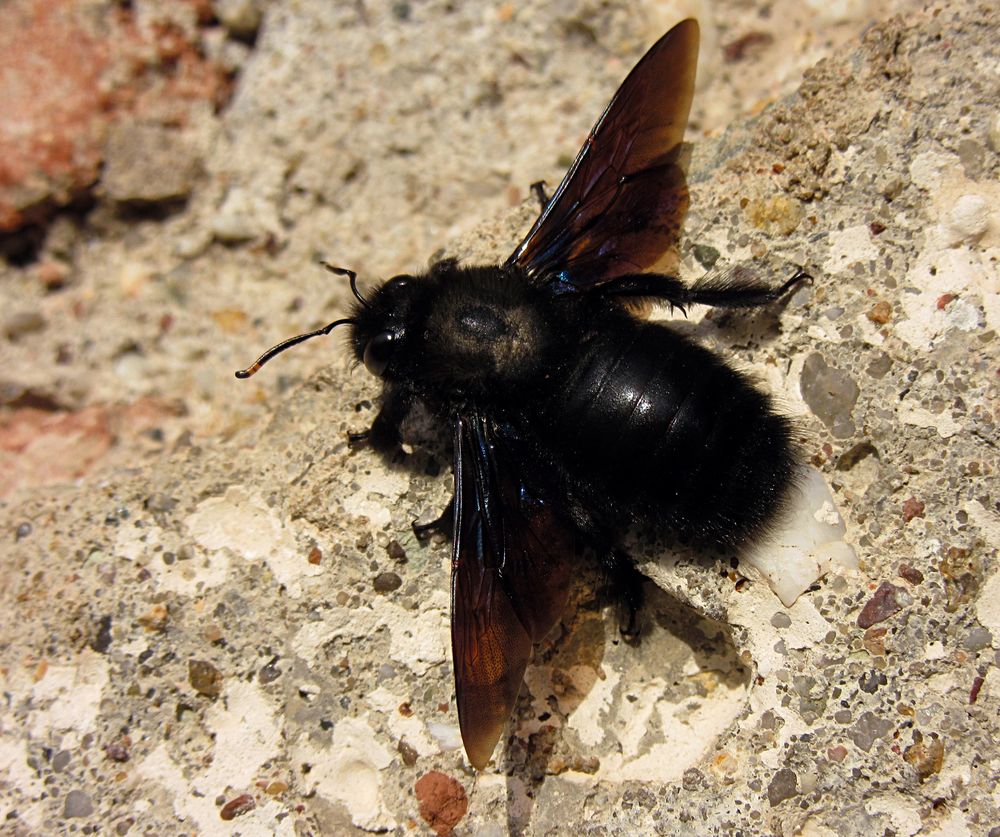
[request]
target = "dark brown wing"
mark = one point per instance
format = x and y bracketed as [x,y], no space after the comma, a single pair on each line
[511,564]
[620,207]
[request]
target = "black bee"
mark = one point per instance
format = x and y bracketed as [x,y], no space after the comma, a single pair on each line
[573,419]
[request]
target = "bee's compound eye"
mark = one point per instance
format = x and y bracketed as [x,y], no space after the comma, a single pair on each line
[378,353]
[399,282]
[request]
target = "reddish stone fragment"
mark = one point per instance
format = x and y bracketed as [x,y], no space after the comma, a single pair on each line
[837,754]
[882,605]
[240,805]
[911,574]
[977,684]
[874,641]
[912,508]
[880,313]
[71,69]
[926,755]
[44,447]
[116,752]
[442,801]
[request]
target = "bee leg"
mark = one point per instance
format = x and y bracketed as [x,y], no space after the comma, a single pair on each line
[728,290]
[538,190]
[444,523]
[735,290]
[383,436]
[625,585]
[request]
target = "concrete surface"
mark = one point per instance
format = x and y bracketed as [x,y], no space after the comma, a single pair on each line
[215,619]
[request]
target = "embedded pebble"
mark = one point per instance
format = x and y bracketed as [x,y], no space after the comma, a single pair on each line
[706,255]
[830,393]
[117,752]
[240,17]
[148,164]
[77,804]
[242,217]
[969,218]
[407,753]
[871,682]
[837,754]
[978,639]
[880,313]
[781,620]
[926,755]
[240,805]
[205,678]
[784,785]
[912,507]
[442,800]
[269,673]
[869,728]
[387,582]
[886,601]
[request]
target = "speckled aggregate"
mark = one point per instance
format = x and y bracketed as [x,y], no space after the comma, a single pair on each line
[252,542]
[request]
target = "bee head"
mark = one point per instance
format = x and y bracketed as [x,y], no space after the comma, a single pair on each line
[378,324]
[379,330]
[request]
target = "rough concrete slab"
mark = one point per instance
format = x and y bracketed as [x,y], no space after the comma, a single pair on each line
[194,640]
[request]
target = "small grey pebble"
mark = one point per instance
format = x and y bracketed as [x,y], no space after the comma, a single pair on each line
[978,639]
[781,620]
[269,673]
[77,804]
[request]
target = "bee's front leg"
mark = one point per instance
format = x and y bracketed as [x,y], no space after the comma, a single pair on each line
[538,190]
[383,436]
[445,523]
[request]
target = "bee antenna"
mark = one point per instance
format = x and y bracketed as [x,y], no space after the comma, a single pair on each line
[287,344]
[343,271]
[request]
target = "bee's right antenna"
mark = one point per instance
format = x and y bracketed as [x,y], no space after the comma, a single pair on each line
[287,344]
[343,271]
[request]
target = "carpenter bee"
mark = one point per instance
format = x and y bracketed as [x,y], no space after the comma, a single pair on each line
[573,419]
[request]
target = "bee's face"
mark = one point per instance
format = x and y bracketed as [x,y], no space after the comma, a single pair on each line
[380,325]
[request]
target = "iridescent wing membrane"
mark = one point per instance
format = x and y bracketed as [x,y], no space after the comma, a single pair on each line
[511,563]
[619,208]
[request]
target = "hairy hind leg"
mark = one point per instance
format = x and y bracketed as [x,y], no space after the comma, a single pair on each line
[625,586]
[734,289]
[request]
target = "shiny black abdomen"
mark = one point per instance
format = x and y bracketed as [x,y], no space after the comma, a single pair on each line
[655,429]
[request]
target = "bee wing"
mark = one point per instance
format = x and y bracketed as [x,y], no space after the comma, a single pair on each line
[620,206]
[511,563]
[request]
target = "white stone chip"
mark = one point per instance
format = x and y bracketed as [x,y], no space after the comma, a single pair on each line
[809,543]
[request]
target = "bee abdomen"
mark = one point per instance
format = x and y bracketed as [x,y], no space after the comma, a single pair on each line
[659,426]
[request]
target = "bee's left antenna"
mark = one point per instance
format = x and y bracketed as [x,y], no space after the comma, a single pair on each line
[343,271]
[287,344]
